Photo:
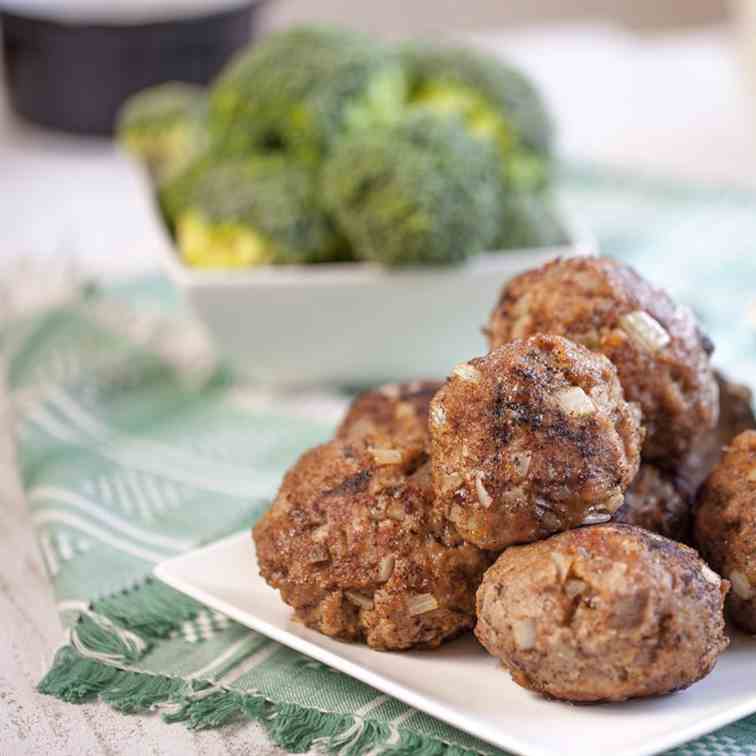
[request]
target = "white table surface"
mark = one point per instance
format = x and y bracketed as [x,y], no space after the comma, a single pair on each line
[676,105]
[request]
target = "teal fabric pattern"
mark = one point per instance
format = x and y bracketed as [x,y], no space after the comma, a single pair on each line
[133,447]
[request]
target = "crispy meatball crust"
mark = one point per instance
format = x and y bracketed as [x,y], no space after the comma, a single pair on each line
[353,546]
[661,356]
[725,526]
[735,416]
[531,439]
[398,410]
[657,502]
[604,613]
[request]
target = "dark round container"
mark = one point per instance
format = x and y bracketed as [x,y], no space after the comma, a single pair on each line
[74,75]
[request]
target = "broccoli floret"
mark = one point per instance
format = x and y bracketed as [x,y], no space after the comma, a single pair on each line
[302,89]
[234,213]
[530,220]
[500,105]
[165,127]
[421,191]
[496,101]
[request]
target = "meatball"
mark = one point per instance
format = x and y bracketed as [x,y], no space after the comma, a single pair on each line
[661,356]
[353,544]
[604,613]
[725,526]
[735,416]
[396,410]
[657,502]
[531,439]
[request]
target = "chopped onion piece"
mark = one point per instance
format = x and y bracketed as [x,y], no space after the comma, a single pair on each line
[562,563]
[385,568]
[438,414]
[483,496]
[357,598]
[710,576]
[752,475]
[741,585]
[386,456]
[421,603]
[574,401]
[646,332]
[596,518]
[467,372]
[524,634]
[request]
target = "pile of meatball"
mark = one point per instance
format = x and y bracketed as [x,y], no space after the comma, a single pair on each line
[546,494]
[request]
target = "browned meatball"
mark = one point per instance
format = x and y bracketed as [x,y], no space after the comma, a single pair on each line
[398,410]
[725,527]
[655,501]
[531,439]
[603,613]
[735,416]
[661,356]
[352,544]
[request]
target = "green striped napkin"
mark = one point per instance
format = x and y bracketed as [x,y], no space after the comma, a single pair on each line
[133,447]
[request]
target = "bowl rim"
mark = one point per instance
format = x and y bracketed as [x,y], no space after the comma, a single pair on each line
[363,273]
[76,14]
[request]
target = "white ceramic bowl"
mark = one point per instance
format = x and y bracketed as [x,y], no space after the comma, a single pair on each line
[352,323]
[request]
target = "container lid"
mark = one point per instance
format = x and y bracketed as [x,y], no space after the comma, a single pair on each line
[119,13]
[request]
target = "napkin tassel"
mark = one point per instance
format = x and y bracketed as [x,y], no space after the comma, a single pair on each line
[110,637]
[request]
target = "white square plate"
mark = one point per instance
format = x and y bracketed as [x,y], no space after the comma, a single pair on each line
[462,685]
